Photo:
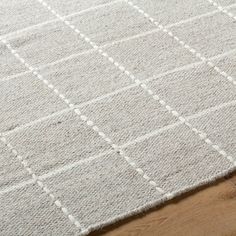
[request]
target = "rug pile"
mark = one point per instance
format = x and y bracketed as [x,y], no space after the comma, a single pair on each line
[109,108]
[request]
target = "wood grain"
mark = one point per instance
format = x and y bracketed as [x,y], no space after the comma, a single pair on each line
[207,211]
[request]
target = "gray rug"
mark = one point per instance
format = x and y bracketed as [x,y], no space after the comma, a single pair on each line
[109,108]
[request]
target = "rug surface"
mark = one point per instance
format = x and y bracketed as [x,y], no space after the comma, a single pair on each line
[109,108]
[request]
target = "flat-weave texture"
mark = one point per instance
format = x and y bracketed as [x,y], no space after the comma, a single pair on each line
[111,107]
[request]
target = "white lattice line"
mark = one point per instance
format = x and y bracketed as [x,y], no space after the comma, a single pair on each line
[55,172]
[202,135]
[87,121]
[182,43]
[115,42]
[139,139]
[115,92]
[178,123]
[42,186]
[36,121]
[10,35]
[222,9]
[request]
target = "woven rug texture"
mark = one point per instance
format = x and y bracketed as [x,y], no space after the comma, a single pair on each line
[111,107]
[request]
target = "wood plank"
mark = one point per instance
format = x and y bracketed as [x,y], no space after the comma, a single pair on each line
[208,211]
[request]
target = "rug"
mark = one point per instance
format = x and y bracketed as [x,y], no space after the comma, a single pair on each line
[109,108]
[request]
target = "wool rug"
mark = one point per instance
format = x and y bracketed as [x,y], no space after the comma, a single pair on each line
[111,107]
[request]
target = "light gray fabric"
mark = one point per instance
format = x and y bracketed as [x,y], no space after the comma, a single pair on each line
[69,172]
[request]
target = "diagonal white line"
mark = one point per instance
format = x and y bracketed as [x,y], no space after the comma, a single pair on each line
[152,204]
[143,34]
[70,166]
[193,51]
[86,120]
[185,67]
[41,185]
[178,123]
[34,122]
[222,9]
[54,172]
[201,135]
[16,186]
[11,35]
[115,92]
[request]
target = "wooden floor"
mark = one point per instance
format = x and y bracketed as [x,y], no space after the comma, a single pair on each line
[208,211]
